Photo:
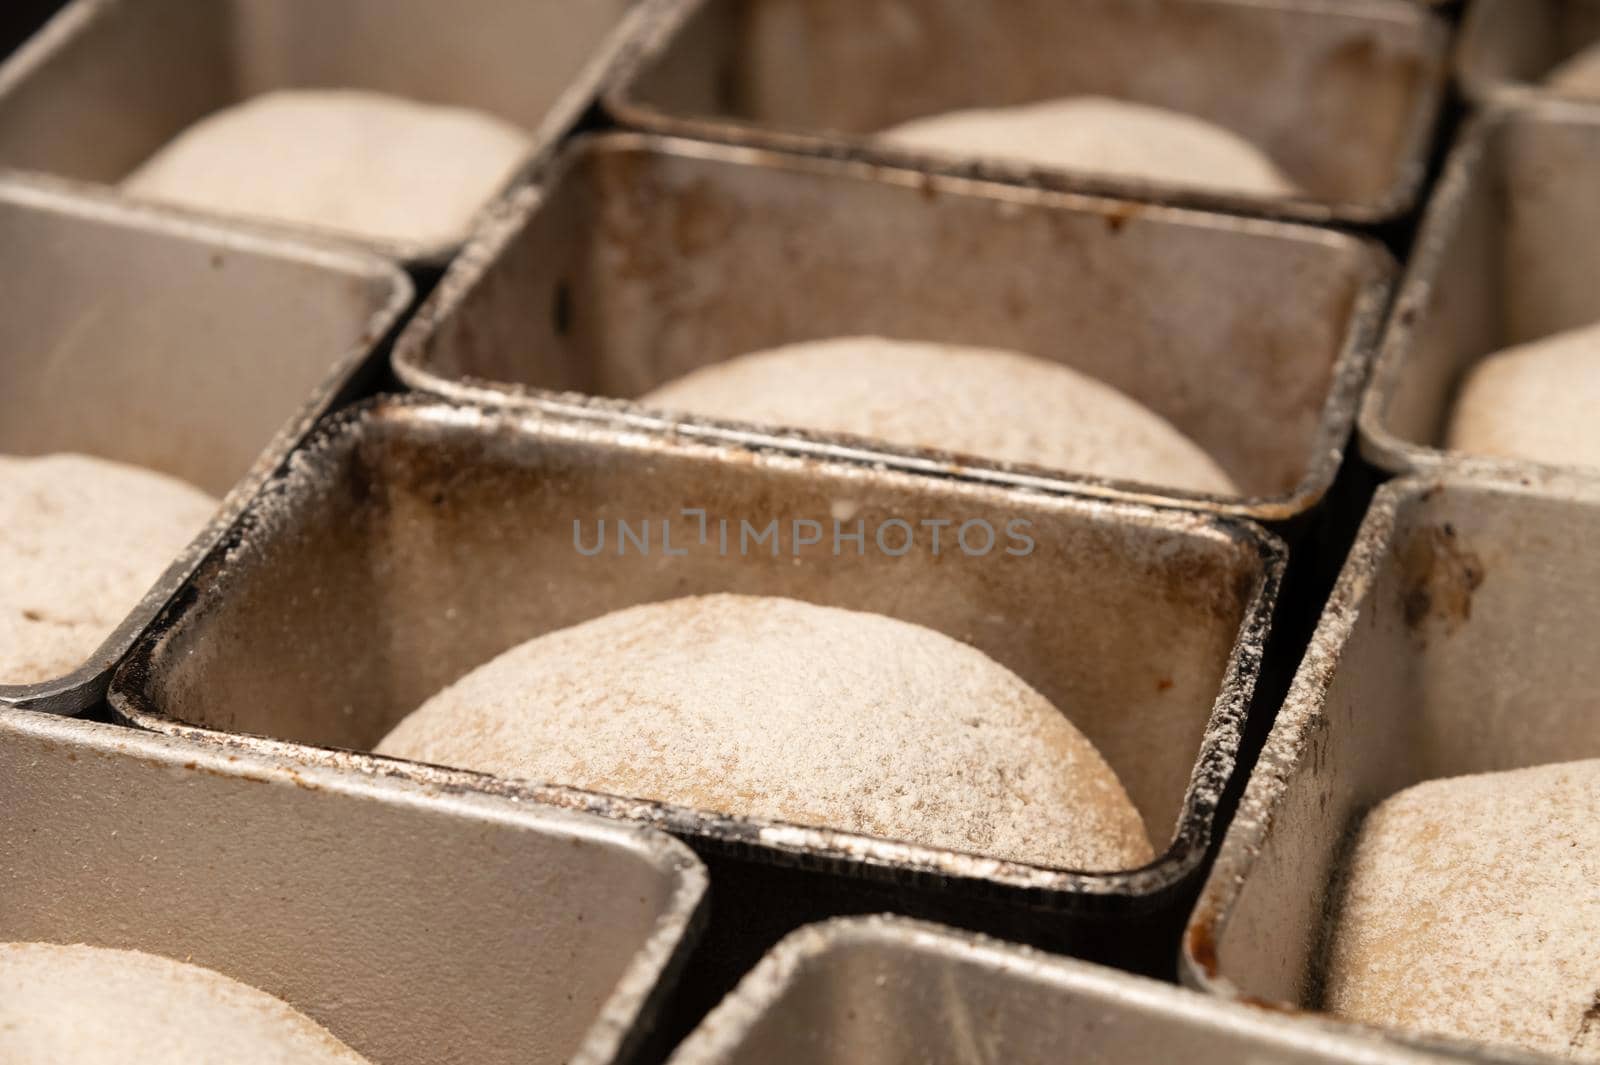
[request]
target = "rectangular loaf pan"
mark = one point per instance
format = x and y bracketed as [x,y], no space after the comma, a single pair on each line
[1506,254]
[412,540]
[643,258]
[109,82]
[1343,96]
[1455,643]
[419,926]
[1508,47]
[144,336]
[887,991]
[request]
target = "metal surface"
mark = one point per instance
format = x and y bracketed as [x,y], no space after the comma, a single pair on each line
[1343,96]
[1505,256]
[418,925]
[886,991]
[1454,644]
[109,82]
[644,258]
[412,541]
[1507,47]
[144,336]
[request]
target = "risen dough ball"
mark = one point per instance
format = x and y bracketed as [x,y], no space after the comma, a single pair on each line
[977,401]
[1111,137]
[1471,910]
[360,163]
[773,708]
[1535,401]
[90,1006]
[81,541]
[1580,75]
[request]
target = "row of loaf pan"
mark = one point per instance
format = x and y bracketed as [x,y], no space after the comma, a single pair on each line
[1343,95]
[422,925]
[620,426]
[411,539]
[593,287]
[589,283]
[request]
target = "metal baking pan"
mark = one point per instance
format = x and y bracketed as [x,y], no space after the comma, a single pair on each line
[1508,47]
[411,540]
[643,258]
[146,336]
[1504,256]
[1343,96]
[1457,600]
[417,925]
[887,991]
[109,82]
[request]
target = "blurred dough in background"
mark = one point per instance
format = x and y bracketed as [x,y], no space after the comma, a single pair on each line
[81,541]
[1538,401]
[1470,910]
[992,404]
[774,708]
[1105,136]
[359,163]
[93,1006]
[1580,75]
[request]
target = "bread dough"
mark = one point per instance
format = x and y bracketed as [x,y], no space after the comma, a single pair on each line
[81,542]
[79,1005]
[1536,401]
[1472,910]
[772,708]
[998,405]
[360,163]
[1578,76]
[1110,137]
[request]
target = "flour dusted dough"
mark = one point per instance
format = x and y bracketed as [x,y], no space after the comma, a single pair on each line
[81,542]
[79,1005]
[362,163]
[779,709]
[977,401]
[1580,75]
[1111,137]
[1535,401]
[1472,910]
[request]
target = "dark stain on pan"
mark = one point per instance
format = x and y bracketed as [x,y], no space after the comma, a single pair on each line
[1588,1026]
[1439,575]
[1119,215]
[1202,944]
